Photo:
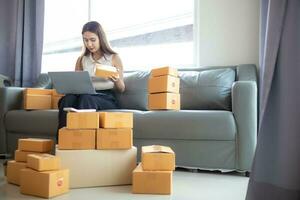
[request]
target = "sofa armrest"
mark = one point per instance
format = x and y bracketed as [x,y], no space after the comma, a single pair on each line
[11,98]
[244,108]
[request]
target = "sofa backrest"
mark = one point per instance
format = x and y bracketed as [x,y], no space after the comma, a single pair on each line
[200,88]
[203,88]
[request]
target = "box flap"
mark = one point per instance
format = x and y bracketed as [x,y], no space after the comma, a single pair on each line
[156,149]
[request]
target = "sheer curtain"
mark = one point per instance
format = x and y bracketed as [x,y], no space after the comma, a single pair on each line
[276,168]
[21,40]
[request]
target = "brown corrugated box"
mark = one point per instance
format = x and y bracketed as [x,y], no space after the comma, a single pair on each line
[37,98]
[55,98]
[116,119]
[160,71]
[35,145]
[82,120]
[43,162]
[76,138]
[164,101]
[44,184]
[164,83]
[119,138]
[156,157]
[105,71]
[13,171]
[21,156]
[151,182]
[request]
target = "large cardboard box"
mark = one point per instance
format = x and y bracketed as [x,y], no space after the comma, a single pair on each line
[44,184]
[116,119]
[82,120]
[37,98]
[114,138]
[164,71]
[35,145]
[105,71]
[164,101]
[13,171]
[156,157]
[43,162]
[76,138]
[21,156]
[164,83]
[92,168]
[151,182]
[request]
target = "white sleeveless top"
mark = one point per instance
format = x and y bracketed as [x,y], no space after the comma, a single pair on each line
[88,64]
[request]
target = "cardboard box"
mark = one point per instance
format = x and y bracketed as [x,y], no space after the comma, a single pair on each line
[55,99]
[156,157]
[118,138]
[35,145]
[116,120]
[76,138]
[21,156]
[44,184]
[164,71]
[43,162]
[82,120]
[106,71]
[164,101]
[164,83]
[37,98]
[92,168]
[151,182]
[13,171]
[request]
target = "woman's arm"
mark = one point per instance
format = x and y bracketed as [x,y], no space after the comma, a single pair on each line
[118,81]
[78,66]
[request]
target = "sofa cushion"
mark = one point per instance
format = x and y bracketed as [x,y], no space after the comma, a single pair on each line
[185,125]
[136,91]
[209,89]
[35,122]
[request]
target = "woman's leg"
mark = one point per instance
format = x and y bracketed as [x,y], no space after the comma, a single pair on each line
[98,102]
[70,100]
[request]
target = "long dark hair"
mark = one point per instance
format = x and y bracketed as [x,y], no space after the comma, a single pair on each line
[95,27]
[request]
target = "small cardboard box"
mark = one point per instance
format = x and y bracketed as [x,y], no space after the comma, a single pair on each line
[156,157]
[43,162]
[92,168]
[13,171]
[118,138]
[21,156]
[76,138]
[35,145]
[55,98]
[82,120]
[151,182]
[164,101]
[44,184]
[164,83]
[105,71]
[116,120]
[164,71]
[35,99]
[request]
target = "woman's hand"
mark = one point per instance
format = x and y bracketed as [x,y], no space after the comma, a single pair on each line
[114,78]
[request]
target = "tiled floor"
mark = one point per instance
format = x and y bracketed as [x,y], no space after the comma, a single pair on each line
[186,185]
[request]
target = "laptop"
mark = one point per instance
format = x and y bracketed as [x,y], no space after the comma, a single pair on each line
[72,82]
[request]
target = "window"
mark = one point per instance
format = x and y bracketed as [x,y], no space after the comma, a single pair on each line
[145,33]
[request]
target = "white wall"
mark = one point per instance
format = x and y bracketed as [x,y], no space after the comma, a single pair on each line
[228,32]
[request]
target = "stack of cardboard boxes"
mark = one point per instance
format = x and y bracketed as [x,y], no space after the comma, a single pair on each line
[36,99]
[100,143]
[163,89]
[37,172]
[154,174]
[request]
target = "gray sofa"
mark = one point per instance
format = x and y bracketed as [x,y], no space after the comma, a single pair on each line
[216,127]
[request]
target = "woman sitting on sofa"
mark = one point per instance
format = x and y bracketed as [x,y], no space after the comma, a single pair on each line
[96,51]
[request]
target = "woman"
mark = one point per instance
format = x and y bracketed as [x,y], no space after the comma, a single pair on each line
[96,50]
